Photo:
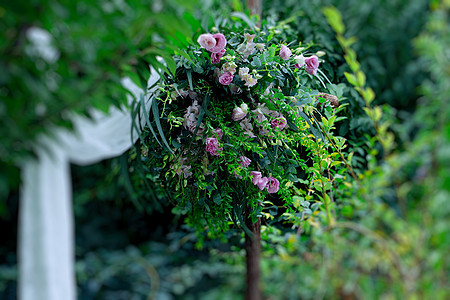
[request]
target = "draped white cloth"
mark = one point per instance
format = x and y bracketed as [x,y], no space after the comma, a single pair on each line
[46,228]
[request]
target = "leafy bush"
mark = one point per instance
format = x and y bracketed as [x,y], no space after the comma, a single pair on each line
[64,58]
[384,31]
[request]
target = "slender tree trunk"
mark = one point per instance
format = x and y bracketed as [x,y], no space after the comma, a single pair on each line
[255,7]
[253,243]
[253,256]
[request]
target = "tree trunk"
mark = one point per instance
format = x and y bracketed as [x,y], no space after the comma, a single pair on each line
[255,7]
[253,256]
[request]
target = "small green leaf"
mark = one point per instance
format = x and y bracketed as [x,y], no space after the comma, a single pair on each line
[368,95]
[334,18]
[351,78]
[349,158]
[325,122]
[361,78]
[256,62]
[189,76]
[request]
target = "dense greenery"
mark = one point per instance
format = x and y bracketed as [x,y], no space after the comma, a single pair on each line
[386,233]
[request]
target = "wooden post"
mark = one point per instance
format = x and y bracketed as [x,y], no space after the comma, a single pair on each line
[253,256]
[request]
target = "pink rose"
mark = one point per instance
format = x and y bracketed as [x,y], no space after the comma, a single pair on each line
[244,162]
[261,182]
[272,185]
[279,122]
[215,57]
[226,78]
[285,52]
[207,41]
[219,133]
[212,146]
[221,42]
[312,64]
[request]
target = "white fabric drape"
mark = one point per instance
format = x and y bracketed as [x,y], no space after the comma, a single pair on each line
[46,229]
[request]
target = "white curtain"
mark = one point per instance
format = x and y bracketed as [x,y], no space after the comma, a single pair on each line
[46,227]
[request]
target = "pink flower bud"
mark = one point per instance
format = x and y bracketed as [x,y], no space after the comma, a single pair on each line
[285,52]
[255,176]
[262,183]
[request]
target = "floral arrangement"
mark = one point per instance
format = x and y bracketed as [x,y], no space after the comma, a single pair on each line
[235,129]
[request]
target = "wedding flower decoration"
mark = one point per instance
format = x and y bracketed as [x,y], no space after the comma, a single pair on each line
[235,115]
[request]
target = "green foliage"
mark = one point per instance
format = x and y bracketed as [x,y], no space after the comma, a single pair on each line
[384,31]
[157,271]
[64,58]
[381,34]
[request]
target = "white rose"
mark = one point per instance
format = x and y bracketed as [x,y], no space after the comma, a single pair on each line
[300,59]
